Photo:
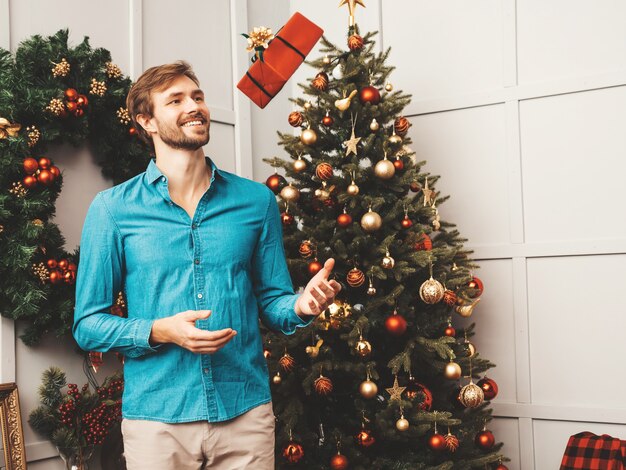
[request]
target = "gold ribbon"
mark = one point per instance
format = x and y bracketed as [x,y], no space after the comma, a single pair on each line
[7,129]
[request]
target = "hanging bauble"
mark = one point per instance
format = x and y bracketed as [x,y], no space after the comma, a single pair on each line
[369,94]
[320,82]
[365,438]
[466,309]
[449,297]
[394,139]
[477,287]
[306,249]
[371,290]
[431,291]
[344,103]
[324,171]
[452,442]
[326,60]
[314,267]
[363,347]
[45,177]
[355,277]
[287,218]
[276,182]
[322,193]
[502,467]
[424,243]
[368,389]
[471,395]
[485,440]
[290,193]
[395,324]
[293,452]
[314,350]
[470,348]
[344,220]
[56,277]
[402,424]
[339,462]
[55,171]
[398,164]
[307,105]
[132,131]
[322,385]
[388,262]
[71,94]
[82,101]
[30,165]
[452,371]
[287,362]
[401,126]
[449,331]
[328,120]
[295,119]
[415,390]
[30,181]
[299,165]
[437,442]
[388,86]
[371,221]
[267,353]
[489,388]
[406,222]
[277,379]
[374,126]
[355,42]
[384,169]
[352,189]
[415,186]
[308,136]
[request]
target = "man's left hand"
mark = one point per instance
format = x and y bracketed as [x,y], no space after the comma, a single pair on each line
[319,293]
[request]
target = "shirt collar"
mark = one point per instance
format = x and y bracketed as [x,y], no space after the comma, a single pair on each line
[153,173]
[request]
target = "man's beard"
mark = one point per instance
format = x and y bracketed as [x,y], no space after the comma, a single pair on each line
[177,139]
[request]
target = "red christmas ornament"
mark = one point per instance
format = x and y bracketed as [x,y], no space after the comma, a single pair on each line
[320,82]
[502,467]
[414,388]
[365,438]
[476,284]
[489,386]
[45,177]
[449,297]
[79,112]
[401,126]
[450,331]
[71,106]
[72,266]
[344,220]
[339,462]
[437,442]
[369,94]
[324,171]
[276,182]
[69,277]
[82,101]
[55,171]
[395,324]
[314,267]
[71,94]
[44,163]
[406,222]
[323,385]
[398,164]
[485,439]
[56,277]
[287,218]
[452,442]
[132,131]
[30,165]
[415,186]
[355,42]
[62,264]
[293,452]
[29,182]
[295,119]
[424,243]
[306,249]
[327,121]
[52,263]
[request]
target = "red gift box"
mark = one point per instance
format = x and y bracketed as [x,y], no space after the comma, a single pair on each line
[264,79]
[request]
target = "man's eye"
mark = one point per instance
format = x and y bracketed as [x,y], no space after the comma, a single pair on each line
[174,101]
[198,98]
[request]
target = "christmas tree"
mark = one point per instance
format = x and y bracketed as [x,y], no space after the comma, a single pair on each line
[381,379]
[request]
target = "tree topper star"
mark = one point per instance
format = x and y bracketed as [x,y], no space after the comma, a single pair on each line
[351,7]
[395,391]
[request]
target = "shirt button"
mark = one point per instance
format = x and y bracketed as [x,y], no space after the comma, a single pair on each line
[199,296]
[197,261]
[163,178]
[194,226]
[206,371]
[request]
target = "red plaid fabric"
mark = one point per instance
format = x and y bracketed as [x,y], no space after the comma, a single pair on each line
[586,451]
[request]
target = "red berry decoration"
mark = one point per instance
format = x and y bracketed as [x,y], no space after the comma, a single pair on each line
[30,165]
[314,267]
[355,42]
[477,285]
[344,220]
[406,222]
[29,182]
[324,171]
[398,164]
[71,106]
[71,94]
[56,277]
[369,94]
[287,218]
[424,243]
[82,101]
[44,163]
[485,439]
[62,264]
[276,182]
[55,171]
[293,452]
[450,331]
[51,263]
[45,177]
[328,121]
[437,442]
[489,386]
[395,324]
[69,277]
[339,462]
[365,438]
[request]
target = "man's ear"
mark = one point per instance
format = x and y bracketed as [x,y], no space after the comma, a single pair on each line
[145,121]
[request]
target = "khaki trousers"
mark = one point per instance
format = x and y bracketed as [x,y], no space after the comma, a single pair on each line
[243,443]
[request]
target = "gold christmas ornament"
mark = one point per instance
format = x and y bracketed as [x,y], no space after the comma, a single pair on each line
[97,88]
[307,105]
[388,86]
[452,371]
[56,107]
[428,194]
[363,347]
[322,193]
[466,309]
[394,138]
[352,142]
[299,165]
[368,389]
[112,70]
[61,69]
[431,291]
[314,351]
[371,221]
[326,60]
[471,396]
[33,135]
[277,379]
[37,223]
[371,290]
[123,116]
[1,228]
[290,193]
[471,349]
[384,169]
[388,262]
[306,249]
[344,103]
[374,126]
[402,424]
[8,129]
[351,8]
[353,189]
[41,272]
[308,136]
[396,391]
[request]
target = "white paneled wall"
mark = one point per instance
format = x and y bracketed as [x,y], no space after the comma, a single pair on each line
[139,34]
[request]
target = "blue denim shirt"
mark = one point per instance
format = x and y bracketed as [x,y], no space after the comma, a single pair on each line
[229,259]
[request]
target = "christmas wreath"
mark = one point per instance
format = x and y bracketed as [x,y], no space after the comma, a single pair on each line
[52,94]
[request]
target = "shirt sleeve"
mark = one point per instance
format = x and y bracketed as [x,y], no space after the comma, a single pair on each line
[271,281]
[98,281]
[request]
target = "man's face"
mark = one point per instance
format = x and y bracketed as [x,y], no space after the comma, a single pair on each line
[181,118]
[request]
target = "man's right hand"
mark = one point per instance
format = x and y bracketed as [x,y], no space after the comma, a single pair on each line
[180,329]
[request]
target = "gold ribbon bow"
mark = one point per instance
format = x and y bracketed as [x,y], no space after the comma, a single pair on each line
[7,129]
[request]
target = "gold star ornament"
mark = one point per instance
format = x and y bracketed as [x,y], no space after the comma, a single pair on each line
[395,391]
[351,7]
[351,144]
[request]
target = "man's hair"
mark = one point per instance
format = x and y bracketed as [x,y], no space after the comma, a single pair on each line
[139,99]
